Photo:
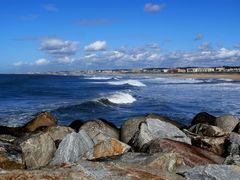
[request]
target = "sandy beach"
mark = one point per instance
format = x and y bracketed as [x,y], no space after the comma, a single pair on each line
[234,76]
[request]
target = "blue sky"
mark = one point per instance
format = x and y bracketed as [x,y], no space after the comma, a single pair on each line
[44,35]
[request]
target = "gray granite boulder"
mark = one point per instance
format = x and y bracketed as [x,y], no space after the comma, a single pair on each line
[213,172]
[73,147]
[131,126]
[94,127]
[38,149]
[152,129]
[227,122]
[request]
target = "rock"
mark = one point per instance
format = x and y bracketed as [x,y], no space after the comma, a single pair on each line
[108,147]
[232,160]
[10,156]
[213,144]
[76,125]
[207,130]
[94,127]
[152,129]
[203,118]
[43,119]
[171,162]
[38,149]
[73,147]
[237,128]
[227,122]
[7,138]
[214,172]
[58,132]
[91,170]
[192,155]
[131,126]
[233,144]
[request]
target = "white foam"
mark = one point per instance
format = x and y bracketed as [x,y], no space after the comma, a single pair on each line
[179,80]
[98,78]
[129,82]
[121,98]
[225,79]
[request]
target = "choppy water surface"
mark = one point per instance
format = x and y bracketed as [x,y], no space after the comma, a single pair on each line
[114,98]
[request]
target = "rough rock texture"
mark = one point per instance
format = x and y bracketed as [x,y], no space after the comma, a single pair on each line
[10,156]
[43,119]
[203,118]
[226,122]
[91,170]
[232,160]
[59,132]
[213,144]
[7,138]
[131,126]
[233,144]
[192,155]
[152,129]
[213,172]
[92,128]
[207,130]
[237,128]
[108,147]
[38,150]
[76,125]
[73,147]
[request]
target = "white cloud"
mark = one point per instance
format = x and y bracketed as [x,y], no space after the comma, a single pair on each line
[41,62]
[96,46]
[60,50]
[150,7]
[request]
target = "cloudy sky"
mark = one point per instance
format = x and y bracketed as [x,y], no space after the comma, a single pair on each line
[56,35]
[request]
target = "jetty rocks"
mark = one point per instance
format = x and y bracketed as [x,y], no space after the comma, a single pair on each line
[144,147]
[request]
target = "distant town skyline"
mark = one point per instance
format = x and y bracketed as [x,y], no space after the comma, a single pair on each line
[60,35]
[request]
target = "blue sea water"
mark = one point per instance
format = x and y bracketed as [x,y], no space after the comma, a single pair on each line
[114,98]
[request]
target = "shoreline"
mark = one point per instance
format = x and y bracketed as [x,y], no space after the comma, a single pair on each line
[233,76]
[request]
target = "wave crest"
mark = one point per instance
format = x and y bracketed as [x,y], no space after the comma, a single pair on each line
[119,98]
[127,82]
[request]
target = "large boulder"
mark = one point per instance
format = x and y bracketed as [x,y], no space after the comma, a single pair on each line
[73,147]
[131,126]
[38,149]
[213,172]
[94,127]
[208,137]
[43,119]
[207,130]
[152,129]
[203,118]
[58,132]
[10,156]
[108,147]
[192,155]
[233,144]
[226,122]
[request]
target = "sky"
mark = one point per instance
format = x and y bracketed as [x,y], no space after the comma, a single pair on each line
[62,35]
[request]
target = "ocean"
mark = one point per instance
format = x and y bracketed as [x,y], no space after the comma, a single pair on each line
[114,98]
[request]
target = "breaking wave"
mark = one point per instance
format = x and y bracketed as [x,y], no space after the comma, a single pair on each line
[119,98]
[127,82]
